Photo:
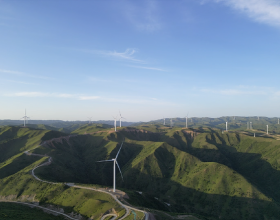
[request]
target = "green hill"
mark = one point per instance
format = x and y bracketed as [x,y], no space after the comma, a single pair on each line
[17,183]
[198,171]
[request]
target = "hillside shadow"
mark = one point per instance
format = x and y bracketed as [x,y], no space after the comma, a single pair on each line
[12,147]
[253,167]
[18,164]
[187,200]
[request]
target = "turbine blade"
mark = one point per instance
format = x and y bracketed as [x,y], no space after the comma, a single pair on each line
[119,151]
[120,170]
[104,160]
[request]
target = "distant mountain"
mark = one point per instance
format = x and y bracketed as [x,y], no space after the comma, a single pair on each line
[57,125]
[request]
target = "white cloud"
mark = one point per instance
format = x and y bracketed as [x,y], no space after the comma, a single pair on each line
[54,95]
[263,11]
[88,97]
[143,17]
[127,55]
[20,82]
[242,90]
[149,68]
[29,94]
[12,72]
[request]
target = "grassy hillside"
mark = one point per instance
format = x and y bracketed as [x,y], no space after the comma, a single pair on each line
[17,184]
[203,171]
[12,211]
[199,171]
[234,123]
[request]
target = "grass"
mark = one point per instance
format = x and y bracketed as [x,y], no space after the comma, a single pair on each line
[201,170]
[12,211]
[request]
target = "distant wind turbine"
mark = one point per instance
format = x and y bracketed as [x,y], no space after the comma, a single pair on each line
[171,122]
[226,125]
[278,120]
[163,121]
[115,123]
[25,118]
[114,168]
[121,120]
[89,120]
[187,120]
[266,129]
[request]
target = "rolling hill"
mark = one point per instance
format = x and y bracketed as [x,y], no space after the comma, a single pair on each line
[200,171]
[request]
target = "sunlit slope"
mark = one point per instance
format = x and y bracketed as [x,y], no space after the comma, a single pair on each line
[199,170]
[23,187]
[92,128]
[14,141]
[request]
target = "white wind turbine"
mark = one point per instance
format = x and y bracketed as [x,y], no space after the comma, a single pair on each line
[115,123]
[25,118]
[114,168]
[89,120]
[163,120]
[187,120]
[121,120]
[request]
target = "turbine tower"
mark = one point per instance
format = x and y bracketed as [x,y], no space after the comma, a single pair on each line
[278,120]
[171,122]
[266,129]
[187,120]
[251,127]
[163,121]
[115,123]
[114,168]
[25,118]
[121,120]
[89,120]
[226,125]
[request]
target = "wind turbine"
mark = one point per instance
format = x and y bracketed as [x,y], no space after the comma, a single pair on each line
[89,120]
[171,122]
[115,123]
[187,120]
[25,118]
[278,120]
[121,120]
[114,168]
[226,125]
[164,121]
[266,129]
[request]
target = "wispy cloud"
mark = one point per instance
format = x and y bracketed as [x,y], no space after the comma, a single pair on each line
[263,11]
[53,95]
[108,99]
[19,82]
[149,68]
[142,14]
[12,72]
[88,97]
[242,90]
[127,55]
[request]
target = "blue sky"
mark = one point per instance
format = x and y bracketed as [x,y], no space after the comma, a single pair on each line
[71,60]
